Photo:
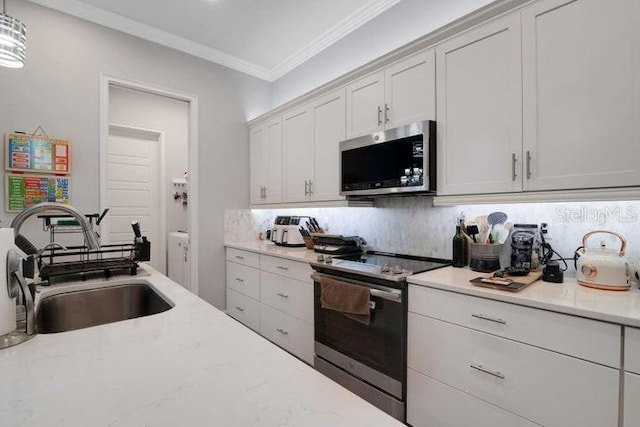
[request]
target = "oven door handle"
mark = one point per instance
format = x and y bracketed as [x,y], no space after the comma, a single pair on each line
[378,291]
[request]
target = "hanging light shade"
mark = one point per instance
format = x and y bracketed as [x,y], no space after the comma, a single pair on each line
[13,41]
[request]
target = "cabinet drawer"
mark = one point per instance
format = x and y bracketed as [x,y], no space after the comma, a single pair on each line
[290,333]
[289,295]
[575,336]
[243,279]
[632,350]
[286,267]
[545,387]
[431,403]
[631,393]
[251,259]
[243,309]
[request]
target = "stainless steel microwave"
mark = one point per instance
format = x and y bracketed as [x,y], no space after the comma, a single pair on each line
[396,161]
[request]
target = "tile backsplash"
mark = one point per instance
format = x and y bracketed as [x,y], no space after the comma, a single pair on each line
[411,225]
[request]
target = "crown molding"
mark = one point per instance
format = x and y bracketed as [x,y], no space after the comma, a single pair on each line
[366,12]
[359,17]
[143,31]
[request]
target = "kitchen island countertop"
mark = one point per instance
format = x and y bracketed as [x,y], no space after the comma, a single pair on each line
[189,366]
[621,307]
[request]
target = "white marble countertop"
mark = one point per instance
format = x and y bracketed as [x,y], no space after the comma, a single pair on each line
[190,366]
[622,307]
[268,248]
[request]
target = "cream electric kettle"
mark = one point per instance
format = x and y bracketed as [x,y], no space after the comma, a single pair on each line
[603,268]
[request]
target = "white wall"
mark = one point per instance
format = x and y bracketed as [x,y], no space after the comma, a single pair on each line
[59,90]
[401,24]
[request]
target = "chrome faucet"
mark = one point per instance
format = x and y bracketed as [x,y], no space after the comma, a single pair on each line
[89,235]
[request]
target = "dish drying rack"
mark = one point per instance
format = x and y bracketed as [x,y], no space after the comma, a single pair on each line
[56,261]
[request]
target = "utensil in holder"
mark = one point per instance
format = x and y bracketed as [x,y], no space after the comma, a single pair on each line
[485,257]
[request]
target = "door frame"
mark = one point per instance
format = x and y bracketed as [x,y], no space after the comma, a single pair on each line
[107,81]
[162,195]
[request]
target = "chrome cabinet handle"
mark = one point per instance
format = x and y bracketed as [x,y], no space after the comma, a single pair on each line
[239,280]
[481,368]
[310,187]
[239,309]
[265,192]
[513,167]
[282,331]
[239,257]
[386,113]
[282,295]
[490,319]
[306,188]
[528,164]
[379,114]
[282,268]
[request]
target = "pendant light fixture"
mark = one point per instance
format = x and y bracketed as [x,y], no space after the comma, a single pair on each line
[13,40]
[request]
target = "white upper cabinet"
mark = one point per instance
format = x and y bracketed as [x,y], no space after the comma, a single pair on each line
[410,90]
[266,162]
[581,77]
[365,101]
[402,93]
[480,110]
[298,149]
[312,134]
[328,117]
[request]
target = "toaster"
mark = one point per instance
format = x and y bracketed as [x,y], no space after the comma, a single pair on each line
[286,231]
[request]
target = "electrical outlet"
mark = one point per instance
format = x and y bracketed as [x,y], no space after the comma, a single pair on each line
[546,228]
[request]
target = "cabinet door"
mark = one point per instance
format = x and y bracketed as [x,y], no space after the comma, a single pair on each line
[298,154]
[328,130]
[410,90]
[273,156]
[258,171]
[631,407]
[365,99]
[480,110]
[581,76]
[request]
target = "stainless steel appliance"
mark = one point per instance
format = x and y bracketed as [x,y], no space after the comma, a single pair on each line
[286,230]
[369,358]
[396,161]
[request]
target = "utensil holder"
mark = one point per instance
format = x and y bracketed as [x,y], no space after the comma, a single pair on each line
[308,242]
[485,258]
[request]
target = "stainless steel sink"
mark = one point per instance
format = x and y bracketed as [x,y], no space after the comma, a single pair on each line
[91,307]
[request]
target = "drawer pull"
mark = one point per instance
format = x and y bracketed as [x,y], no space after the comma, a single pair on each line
[239,257]
[239,279]
[282,295]
[240,309]
[480,368]
[282,268]
[490,319]
[282,331]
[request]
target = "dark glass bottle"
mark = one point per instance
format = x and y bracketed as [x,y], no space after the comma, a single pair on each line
[458,248]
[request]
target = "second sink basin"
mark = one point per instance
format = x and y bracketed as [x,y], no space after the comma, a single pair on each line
[91,307]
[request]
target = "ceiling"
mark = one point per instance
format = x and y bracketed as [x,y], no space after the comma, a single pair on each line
[263,38]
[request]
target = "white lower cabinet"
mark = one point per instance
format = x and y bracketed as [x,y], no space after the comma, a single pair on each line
[244,309]
[290,333]
[497,366]
[449,407]
[631,393]
[274,297]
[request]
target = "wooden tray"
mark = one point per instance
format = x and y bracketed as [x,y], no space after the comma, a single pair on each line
[508,283]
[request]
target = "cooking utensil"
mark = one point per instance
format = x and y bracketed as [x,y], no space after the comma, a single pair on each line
[472,230]
[493,219]
[603,268]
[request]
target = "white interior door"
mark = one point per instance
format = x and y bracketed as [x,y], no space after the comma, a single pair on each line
[133,189]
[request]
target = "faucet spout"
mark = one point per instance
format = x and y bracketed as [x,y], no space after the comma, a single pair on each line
[90,237]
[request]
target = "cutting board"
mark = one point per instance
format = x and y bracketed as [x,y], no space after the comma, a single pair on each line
[507,283]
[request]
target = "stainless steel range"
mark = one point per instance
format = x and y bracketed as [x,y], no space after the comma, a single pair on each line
[363,344]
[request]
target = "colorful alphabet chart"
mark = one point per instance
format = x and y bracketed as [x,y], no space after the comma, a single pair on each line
[22,191]
[37,153]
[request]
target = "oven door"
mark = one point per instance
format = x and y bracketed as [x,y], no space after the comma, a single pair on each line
[376,353]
